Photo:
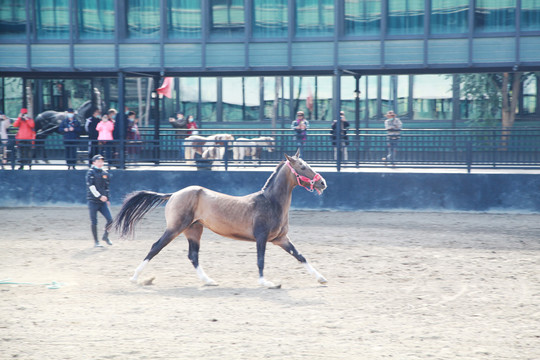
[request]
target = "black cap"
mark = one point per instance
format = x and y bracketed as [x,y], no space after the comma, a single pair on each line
[70,110]
[97,157]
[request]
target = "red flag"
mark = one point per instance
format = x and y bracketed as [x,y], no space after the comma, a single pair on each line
[166,88]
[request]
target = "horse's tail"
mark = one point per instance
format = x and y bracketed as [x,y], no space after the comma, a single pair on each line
[135,206]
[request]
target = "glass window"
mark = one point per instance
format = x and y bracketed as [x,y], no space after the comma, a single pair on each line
[362,17]
[189,96]
[432,97]
[208,99]
[12,19]
[529,94]
[241,100]
[449,16]
[405,17]
[402,85]
[227,18]
[270,18]
[184,19]
[314,17]
[143,19]
[530,14]
[495,15]
[96,19]
[52,19]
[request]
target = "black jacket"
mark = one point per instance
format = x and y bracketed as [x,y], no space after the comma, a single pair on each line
[90,127]
[100,178]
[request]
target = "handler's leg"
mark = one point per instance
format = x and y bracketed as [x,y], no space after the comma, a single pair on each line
[104,210]
[287,245]
[93,209]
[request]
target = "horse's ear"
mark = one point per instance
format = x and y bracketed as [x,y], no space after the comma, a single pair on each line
[290,159]
[297,155]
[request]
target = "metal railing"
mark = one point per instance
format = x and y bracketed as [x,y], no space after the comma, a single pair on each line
[429,148]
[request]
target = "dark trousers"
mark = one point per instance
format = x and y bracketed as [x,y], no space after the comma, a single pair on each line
[103,208]
[25,152]
[71,152]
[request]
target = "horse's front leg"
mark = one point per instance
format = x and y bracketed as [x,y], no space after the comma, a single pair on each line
[286,244]
[261,249]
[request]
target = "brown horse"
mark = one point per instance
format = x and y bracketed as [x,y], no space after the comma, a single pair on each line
[260,217]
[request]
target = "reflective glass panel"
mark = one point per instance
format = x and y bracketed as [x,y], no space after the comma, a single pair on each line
[52,19]
[12,19]
[241,101]
[405,17]
[184,19]
[449,16]
[530,14]
[432,97]
[227,18]
[270,18]
[362,17]
[495,15]
[314,17]
[208,99]
[143,19]
[96,19]
[529,94]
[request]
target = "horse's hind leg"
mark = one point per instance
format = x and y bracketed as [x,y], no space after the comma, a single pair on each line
[288,246]
[193,234]
[163,241]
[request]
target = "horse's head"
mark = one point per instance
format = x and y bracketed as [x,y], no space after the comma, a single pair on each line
[305,176]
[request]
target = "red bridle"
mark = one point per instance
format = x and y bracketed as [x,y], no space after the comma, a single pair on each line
[305,179]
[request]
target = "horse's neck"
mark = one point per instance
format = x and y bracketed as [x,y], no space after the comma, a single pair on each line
[280,188]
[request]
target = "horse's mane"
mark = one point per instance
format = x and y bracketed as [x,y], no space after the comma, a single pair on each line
[272,177]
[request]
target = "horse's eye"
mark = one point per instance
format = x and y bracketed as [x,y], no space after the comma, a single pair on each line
[303,168]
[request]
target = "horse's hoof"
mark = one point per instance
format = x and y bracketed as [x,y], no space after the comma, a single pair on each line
[322,280]
[133,279]
[211,283]
[275,286]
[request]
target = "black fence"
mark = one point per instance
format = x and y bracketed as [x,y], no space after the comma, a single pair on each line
[430,148]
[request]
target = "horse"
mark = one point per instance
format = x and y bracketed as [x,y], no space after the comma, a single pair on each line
[48,121]
[196,144]
[243,147]
[260,217]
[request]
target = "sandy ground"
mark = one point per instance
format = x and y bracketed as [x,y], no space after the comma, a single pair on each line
[401,286]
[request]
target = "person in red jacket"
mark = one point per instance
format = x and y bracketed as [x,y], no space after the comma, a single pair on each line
[24,137]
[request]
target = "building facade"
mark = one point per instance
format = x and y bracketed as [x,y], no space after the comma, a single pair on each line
[257,62]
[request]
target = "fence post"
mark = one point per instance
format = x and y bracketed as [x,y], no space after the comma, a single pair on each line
[469,156]
[226,156]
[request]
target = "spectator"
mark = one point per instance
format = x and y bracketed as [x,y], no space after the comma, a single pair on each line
[71,129]
[25,136]
[105,130]
[97,193]
[5,123]
[300,126]
[393,128]
[113,146]
[90,127]
[133,136]
[192,126]
[344,138]
[181,124]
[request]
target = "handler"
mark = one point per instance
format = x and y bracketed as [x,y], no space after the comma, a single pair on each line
[97,193]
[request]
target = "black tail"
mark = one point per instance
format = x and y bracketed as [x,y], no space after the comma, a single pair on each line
[135,206]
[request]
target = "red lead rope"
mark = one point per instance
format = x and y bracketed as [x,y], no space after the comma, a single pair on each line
[305,179]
